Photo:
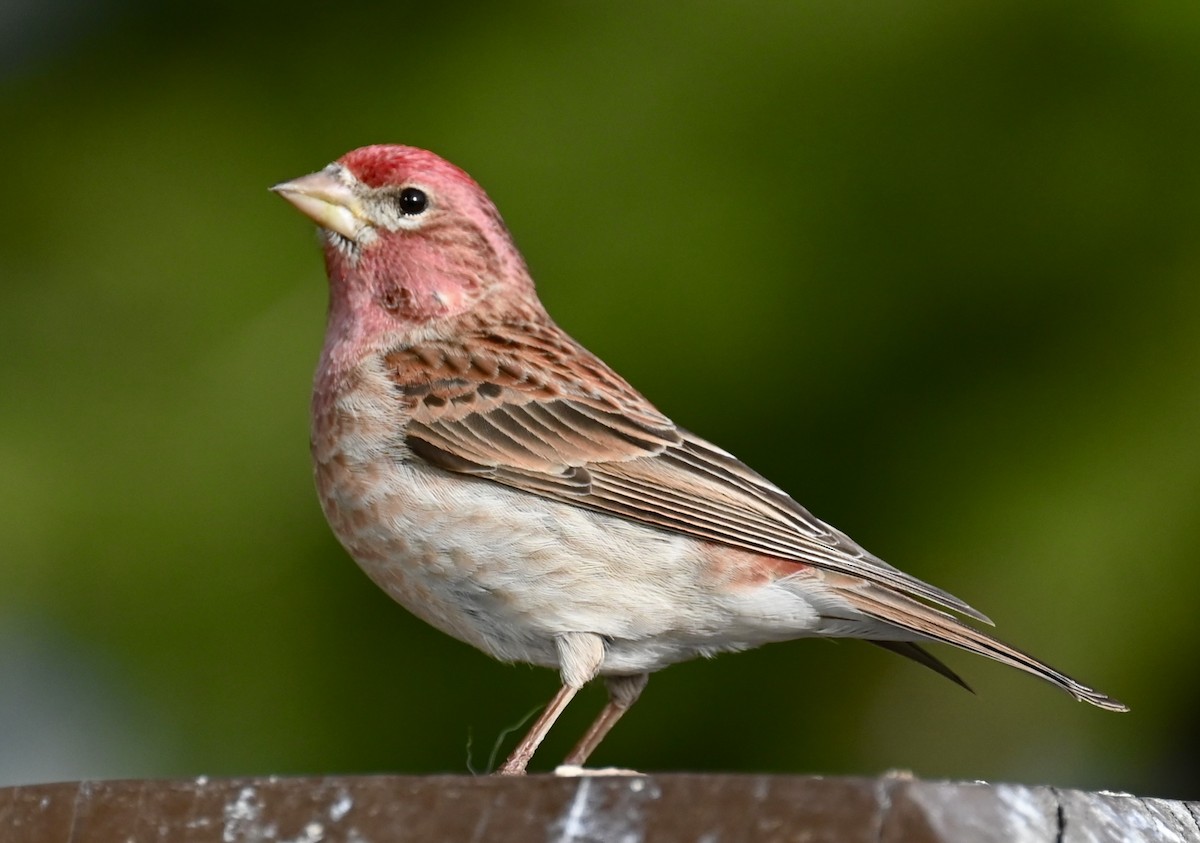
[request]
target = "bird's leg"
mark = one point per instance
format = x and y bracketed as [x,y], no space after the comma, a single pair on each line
[623,692]
[515,764]
[579,657]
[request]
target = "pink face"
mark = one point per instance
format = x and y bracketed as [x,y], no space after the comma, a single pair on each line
[409,239]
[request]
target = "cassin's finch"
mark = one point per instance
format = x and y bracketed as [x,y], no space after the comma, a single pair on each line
[506,486]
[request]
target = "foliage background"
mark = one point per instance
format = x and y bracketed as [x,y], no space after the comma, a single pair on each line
[931,266]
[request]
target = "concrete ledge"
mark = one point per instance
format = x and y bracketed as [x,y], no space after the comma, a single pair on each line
[676,807]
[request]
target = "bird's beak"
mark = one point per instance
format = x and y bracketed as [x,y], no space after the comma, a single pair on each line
[328,201]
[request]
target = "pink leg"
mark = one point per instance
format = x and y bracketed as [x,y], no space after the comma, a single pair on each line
[623,692]
[516,763]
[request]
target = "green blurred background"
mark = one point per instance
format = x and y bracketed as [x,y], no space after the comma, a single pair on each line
[931,266]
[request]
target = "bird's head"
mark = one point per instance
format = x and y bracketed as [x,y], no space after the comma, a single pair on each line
[409,238]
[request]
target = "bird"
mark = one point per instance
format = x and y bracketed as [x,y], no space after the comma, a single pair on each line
[506,486]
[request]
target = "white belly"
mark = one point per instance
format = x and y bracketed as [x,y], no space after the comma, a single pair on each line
[507,571]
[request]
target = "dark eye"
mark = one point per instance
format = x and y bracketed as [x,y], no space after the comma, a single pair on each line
[413,200]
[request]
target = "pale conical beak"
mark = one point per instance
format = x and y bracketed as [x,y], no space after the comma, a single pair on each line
[328,201]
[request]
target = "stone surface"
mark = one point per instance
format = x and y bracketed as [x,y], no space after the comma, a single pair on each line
[581,809]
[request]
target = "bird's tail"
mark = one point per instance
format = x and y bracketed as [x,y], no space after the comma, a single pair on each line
[920,620]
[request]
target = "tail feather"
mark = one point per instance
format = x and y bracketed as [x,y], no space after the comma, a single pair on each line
[914,617]
[914,651]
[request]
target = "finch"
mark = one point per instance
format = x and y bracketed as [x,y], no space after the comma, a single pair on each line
[504,485]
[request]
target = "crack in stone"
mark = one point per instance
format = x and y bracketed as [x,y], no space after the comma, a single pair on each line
[1060,812]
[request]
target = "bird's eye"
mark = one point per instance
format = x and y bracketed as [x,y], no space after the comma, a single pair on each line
[413,201]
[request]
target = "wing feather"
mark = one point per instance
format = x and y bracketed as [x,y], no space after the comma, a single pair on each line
[477,408]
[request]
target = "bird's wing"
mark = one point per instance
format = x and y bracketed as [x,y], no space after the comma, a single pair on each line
[529,408]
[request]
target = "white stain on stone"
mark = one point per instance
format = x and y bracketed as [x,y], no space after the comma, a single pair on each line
[314,832]
[243,820]
[341,807]
[620,822]
[575,822]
